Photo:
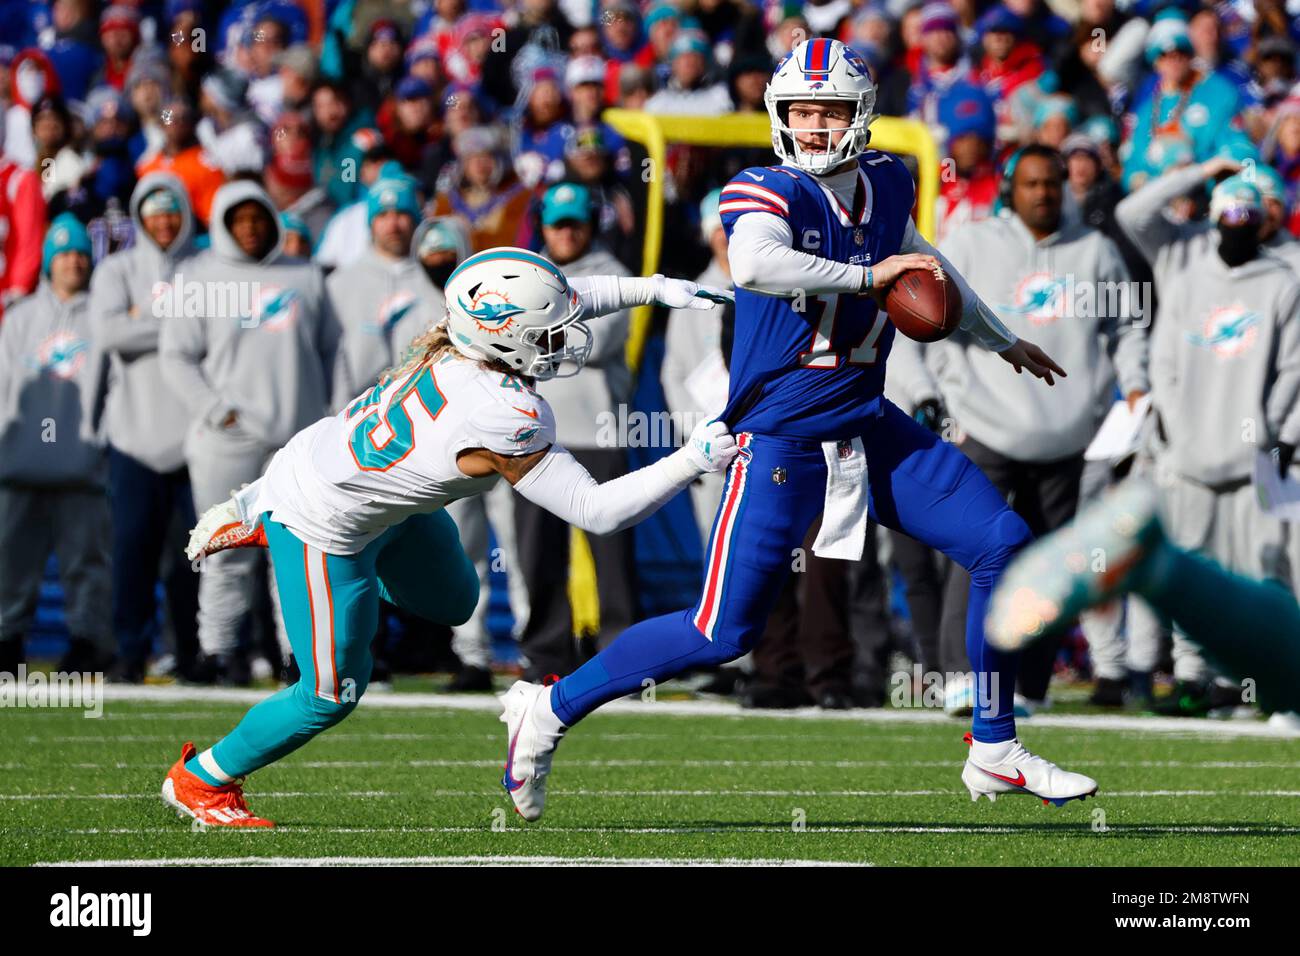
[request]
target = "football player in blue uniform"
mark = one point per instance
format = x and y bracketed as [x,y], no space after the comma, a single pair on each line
[814,244]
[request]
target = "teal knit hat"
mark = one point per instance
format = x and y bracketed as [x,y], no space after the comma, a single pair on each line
[392,193]
[66,234]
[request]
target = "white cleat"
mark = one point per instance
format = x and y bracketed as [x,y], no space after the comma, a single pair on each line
[528,761]
[1022,772]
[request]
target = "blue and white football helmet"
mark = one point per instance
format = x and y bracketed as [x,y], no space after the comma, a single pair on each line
[821,69]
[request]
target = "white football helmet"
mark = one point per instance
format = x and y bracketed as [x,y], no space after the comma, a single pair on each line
[821,69]
[517,307]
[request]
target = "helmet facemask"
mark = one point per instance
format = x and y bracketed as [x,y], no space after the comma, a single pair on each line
[555,345]
[853,138]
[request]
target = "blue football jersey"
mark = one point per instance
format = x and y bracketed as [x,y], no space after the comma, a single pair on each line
[813,366]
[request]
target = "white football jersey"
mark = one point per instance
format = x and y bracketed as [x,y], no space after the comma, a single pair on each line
[391,453]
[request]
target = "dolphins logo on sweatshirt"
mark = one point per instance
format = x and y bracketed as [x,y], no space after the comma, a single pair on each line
[391,311]
[1230,330]
[1039,297]
[275,309]
[62,355]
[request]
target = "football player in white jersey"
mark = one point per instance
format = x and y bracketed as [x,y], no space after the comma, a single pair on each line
[352,507]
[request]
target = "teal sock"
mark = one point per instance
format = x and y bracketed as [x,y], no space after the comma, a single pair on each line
[1248,629]
[276,727]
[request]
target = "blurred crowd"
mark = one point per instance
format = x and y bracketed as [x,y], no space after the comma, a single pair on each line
[339,157]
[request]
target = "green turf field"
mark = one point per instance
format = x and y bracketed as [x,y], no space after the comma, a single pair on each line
[424,783]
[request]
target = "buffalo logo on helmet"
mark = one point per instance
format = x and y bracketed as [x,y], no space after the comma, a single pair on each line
[854,61]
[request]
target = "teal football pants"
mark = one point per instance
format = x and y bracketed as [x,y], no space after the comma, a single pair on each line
[331,610]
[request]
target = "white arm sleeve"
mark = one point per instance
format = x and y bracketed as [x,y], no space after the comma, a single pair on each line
[603,295]
[763,259]
[977,319]
[563,487]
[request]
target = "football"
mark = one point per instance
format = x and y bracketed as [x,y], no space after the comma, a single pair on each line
[923,306]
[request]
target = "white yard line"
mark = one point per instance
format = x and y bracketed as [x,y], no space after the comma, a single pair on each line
[450,861]
[371,794]
[337,736]
[702,708]
[524,830]
[495,763]
[692,762]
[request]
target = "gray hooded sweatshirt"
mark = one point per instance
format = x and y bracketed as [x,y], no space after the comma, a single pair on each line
[256,338]
[1046,291]
[1225,350]
[45,370]
[604,382]
[382,305]
[141,416]
[692,337]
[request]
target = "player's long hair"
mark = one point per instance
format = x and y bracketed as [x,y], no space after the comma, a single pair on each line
[428,347]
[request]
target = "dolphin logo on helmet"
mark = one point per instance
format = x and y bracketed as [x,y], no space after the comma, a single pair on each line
[516,307]
[491,316]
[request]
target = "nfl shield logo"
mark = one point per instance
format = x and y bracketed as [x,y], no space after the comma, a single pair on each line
[778,475]
[858,237]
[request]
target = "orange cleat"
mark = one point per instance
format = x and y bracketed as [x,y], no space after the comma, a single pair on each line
[221,528]
[210,806]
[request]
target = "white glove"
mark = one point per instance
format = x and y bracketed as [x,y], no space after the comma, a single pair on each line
[683,294]
[711,448]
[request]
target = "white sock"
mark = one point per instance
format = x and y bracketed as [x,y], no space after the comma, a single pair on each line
[991,753]
[547,722]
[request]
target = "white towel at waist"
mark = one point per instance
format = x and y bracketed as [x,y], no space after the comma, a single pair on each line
[844,516]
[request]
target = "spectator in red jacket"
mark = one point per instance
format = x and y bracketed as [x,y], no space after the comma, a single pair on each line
[1009,60]
[408,122]
[31,76]
[442,27]
[22,223]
